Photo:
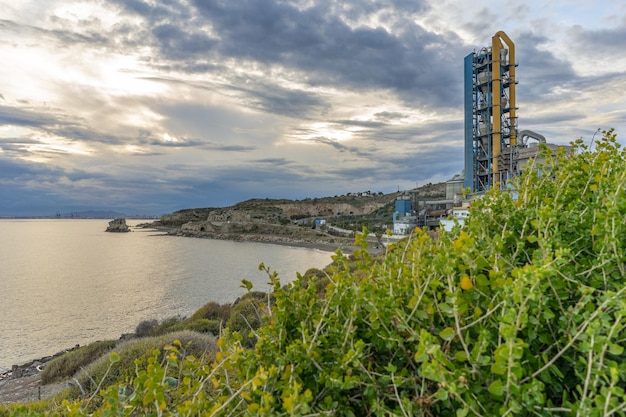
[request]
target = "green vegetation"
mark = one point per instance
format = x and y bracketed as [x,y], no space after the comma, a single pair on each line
[100,374]
[211,318]
[67,365]
[522,312]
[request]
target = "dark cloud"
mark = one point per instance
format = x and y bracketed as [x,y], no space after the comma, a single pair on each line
[25,117]
[359,123]
[271,98]
[340,147]
[232,148]
[388,116]
[15,171]
[316,41]
[606,41]
[178,43]
[274,161]
[542,72]
[61,37]
[208,102]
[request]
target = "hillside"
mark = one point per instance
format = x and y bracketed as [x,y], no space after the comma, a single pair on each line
[280,211]
[292,221]
[285,211]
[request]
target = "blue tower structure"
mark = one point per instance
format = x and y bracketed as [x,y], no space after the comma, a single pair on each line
[403,207]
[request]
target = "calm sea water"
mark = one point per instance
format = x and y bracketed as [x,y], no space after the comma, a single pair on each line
[64,282]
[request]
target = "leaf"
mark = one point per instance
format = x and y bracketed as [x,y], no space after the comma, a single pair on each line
[497,388]
[441,394]
[466,283]
[462,412]
[615,349]
[246,284]
[114,357]
[431,371]
[447,334]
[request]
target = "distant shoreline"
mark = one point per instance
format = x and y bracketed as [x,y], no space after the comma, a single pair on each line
[330,244]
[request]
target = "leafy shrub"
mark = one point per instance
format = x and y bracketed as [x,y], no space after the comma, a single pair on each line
[68,364]
[145,326]
[520,312]
[166,326]
[212,311]
[101,374]
[213,327]
[317,277]
[247,315]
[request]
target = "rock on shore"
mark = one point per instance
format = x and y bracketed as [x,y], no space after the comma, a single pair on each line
[118,225]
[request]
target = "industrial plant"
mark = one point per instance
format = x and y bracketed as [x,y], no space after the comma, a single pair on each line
[495,150]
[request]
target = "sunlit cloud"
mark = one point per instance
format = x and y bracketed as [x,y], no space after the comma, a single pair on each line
[145,105]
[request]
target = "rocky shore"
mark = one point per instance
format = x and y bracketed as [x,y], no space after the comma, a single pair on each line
[327,243]
[265,233]
[22,383]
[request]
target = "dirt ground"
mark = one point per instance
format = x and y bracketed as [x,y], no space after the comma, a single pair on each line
[28,388]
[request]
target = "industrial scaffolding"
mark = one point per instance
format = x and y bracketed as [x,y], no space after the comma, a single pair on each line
[490,115]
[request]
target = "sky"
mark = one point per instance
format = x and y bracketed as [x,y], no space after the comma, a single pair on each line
[148,106]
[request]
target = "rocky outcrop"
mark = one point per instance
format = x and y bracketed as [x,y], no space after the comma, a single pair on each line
[118,225]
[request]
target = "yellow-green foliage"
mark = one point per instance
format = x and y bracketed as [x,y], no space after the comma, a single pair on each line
[520,313]
[100,374]
[68,364]
[246,316]
[210,318]
[36,408]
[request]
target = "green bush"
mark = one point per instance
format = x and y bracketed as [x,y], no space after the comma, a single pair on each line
[246,316]
[521,312]
[65,366]
[101,374]
[212,311]
[166,326]
[145,327]
[213,327]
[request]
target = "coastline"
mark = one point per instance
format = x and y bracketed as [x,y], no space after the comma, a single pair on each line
[22,383]
[325,243]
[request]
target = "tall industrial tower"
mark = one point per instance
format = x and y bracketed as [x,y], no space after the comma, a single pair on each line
[490,115]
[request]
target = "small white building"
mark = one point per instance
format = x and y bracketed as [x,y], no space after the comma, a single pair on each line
[458,215]
[404,225]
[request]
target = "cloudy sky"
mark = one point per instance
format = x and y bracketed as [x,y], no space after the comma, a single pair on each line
[150,106]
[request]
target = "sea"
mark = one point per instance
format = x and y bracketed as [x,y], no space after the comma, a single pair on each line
[65,282]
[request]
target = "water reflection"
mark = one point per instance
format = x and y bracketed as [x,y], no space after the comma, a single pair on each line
[67,281]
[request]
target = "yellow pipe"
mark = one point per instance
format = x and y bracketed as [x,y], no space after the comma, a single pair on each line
[512,95]
[496,82]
